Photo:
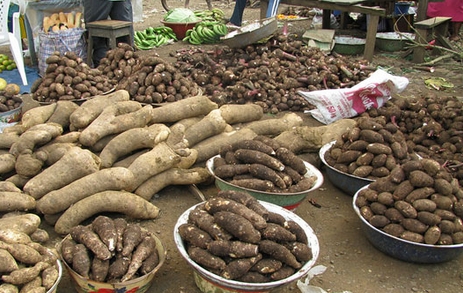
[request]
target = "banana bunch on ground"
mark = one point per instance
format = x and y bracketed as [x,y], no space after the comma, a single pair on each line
[211,15]
[206,32]
[154,37]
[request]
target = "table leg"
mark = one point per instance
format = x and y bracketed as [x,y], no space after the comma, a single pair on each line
[371,37]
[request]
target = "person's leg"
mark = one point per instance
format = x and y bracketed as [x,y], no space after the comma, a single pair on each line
[272,8]
[122,10]
[456,26]
[97,10]
[237,15]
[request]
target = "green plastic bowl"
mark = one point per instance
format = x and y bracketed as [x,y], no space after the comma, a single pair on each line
[348,45]
[393,41]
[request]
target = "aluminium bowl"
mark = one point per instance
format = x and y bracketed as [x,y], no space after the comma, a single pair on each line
[405,250]
[210,282]
[348,45]
[393,41]
[348,183]
[289,201]
[251,33]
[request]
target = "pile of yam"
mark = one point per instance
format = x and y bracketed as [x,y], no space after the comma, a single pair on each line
[111,250]
[234,236]
[419,201]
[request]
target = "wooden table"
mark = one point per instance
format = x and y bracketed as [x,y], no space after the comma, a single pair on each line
[345,6]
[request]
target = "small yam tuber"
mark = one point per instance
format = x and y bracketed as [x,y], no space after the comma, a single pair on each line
[150,263]
[8,263]
[25,275]
[49,277]
[131,238]
[290,159]
[194,235]
[68,246]
[182,109]
[140,254]
[205,221]
[253,156]
[279,252]
[277,233]
[238,226]
[118,268]
[85,235]
[120,224]
[24,253]
[37,115]
[8,288]
[205,258]
[81,262]
[235,249]
[7,163]
[16,201]
[239,267]
[99,269]
[105,228]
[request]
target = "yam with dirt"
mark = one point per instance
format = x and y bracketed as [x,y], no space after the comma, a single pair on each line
[85,235]
[132,140]
[212,124]
[274,127]
[16,201]
[58,175]
[236,113]
[116,178]
[146,247]
[37,115]
[35,136]
[106,201]
[191,107]
[26,223]
[116,119]
[61,114]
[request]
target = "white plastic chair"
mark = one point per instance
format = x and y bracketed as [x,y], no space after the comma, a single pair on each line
[7,38]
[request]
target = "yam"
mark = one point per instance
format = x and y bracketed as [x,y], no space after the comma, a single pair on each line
[279,252]
[106,201]
[105,228]
[273,127]
[81,262]
[130,239]
[236,113]
[23,253]
[238,226]
[205,222]
[62,112]
[140,254]
[131,140]
[90,109]
[16,201]
[9,235]
[8,263]
[37,115]
[58,175]
[26,223]
[35,136]
[182,109]
[25,275]
[212,124]
[7,163]
[85,235]
[206,259]
[116,178]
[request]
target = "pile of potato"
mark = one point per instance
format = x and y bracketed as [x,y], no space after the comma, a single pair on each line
[110,250]
[419,201]
[27,265]
[234,236]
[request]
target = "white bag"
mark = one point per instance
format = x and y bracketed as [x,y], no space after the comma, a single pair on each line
[373,92]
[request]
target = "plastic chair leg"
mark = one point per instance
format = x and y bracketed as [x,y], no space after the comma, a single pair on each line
[18,57]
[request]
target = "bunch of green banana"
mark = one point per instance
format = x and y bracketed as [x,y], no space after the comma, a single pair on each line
[206,32]
[210,15]
[153,37]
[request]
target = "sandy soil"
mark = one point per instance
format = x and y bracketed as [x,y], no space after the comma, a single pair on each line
[353,264]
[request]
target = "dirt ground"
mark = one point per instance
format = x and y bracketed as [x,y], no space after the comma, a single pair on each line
[353,264]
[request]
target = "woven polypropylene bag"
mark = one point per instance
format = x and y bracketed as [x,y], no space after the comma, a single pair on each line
[61,41]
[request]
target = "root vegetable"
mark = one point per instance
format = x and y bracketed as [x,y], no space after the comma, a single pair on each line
[8,263]
[140,254]
[57,176]
[28,164]
[267,266]
[235,249]
[231,170]
[35,136]
[252,156]
[254,183]
[120,224]
[150,263]
[23,253]
[205,221]
[277,233]
[9,235]
[118,267]
[26,223]
[206,259]
[239,267]
[106,230]
[233,114]
[7,163]
[8,186]
[8,288]
[90,109]
[99,269]
[40,236]
[116,119]
[7,139]
[159,159]
[194,235]
[173,176]
[25,275]
[279,252]
[68,246]
[56,201]
[182,109]
[131,238]
[85,235]
[49,277]
[212,124]
[81,262]
[37,115]
[238,226]
[34,286]
[290,159]
[131,140]
[16,201]
[62,112]
[276,126]
[282,273]
[266,173]
[252,144]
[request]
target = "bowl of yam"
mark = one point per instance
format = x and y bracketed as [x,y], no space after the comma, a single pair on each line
[348,183]
[111,255]
[417,219]
[235,243]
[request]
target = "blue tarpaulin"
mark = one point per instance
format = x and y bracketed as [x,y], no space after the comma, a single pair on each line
[12,76]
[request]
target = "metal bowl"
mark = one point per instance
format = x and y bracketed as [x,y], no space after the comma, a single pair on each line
[403,249]
[250,33]
[289,201]
[348,183]
[393,41]
[209,282]
[349,45]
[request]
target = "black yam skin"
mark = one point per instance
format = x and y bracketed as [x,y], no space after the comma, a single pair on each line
[279,252]
[194,235]
[203,257]
[81,262]
[238,226]
[235,249]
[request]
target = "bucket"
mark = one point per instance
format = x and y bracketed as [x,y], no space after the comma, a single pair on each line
[401,7]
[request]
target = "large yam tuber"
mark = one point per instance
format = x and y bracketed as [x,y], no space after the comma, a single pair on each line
[8,186]
[276,126]
[115,119]
[238,226]
[132,140]
[9,235]
[26,223]
[83,162]
[182,109]
[16,201]
[37,115]
[107,201]
[234,113]
[25,275]
[35,136]
[62,112]
[7,163]
[173,176]
[7,139]
[159,159]
[210,125]
[8,263]
[116,178]
[90,109]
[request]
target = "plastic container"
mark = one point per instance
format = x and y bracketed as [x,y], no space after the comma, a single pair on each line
[401,7]
[393,41]
[348,45]
[180,28]
[348,183]
[208,282]
[289,201]
[403,249]
[137,285]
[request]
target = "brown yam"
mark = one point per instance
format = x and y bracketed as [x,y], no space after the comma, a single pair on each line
[205,221]
[118,268]
[81,262]
[194,235]
[267,266]
[131,238]
[282,273]
[266,173]
[26,223]
[107,201]
[239,267]
[49,277]
[290,159]
[234,249]
[276,126]
[115,178]
[57,176]
[132,140]
[230,170]
[255,184]
[140,254]
[279,252]
[120,224]
[7,163]
[23,253]
[8,288]
[62,112]
[252,156]
[210,125]
[277,233]
[99,269]
[29,164]
[205,258]
[68,246]
[25,275]
[91,240]
[253,144]
[8,263]
[9,235]
[35,136]
[238,226]
[105,228]
[182,109]
[301,251]
[150,263]
[37,115]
